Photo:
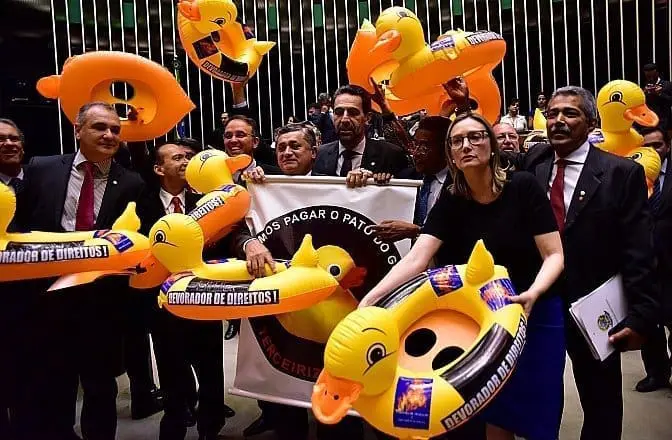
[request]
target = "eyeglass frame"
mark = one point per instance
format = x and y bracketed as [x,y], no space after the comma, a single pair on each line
[449,140]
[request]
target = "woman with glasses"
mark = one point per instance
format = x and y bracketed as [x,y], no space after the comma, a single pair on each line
[515,220]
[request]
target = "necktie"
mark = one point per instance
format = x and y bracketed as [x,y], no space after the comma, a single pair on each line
[558,194]
[654,200]
[422,204]
[84,220]
[347,162]
[17,185]
[177,205]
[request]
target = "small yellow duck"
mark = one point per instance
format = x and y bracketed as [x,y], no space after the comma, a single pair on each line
[620,103]
[226,290]
[650,160]
[369,358]
[216,43]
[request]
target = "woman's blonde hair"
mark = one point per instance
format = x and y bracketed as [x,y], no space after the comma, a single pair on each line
[459,186]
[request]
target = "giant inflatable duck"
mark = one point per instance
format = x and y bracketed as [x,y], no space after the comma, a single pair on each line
[429,356]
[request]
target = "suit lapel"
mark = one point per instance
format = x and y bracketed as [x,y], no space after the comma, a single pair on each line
[667,184]
[543,172]
[370,158]
[107,205]
[60,188]
[589,181]
[332,159]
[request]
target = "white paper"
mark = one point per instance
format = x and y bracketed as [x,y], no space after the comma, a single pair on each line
[600,311]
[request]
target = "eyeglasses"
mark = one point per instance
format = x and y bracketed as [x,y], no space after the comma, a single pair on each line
[509,136]
[237,135]
[475,138]
[11,138]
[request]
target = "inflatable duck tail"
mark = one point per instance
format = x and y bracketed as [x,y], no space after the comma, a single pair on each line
[128,220]
[49,86]
[263,47]
[306,256]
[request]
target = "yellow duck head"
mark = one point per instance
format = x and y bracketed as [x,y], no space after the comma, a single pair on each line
[341,266]
[620,103]
[650,160]
[7,207]
[360,357]
[400,34]
[208,16]
[212,169]
[176,240]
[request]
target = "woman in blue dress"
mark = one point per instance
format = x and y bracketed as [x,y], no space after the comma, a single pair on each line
[514,219]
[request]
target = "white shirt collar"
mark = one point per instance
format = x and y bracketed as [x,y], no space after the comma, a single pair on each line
[4,178]
[103,167]
[359,148]
[441,175]
[664,166]
[167,198]
[577,156]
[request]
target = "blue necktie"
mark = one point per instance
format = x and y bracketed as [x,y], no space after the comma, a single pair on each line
[422,204]
[654,200]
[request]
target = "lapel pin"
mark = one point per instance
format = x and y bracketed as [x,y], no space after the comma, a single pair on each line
[114,182]
[373,163]
[582,194]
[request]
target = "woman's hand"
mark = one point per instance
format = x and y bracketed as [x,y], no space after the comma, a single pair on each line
[527,300]
[256,175]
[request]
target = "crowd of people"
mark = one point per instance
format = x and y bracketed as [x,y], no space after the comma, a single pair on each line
[562,215]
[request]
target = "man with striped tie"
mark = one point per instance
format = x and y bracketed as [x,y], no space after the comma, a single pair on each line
[654,352]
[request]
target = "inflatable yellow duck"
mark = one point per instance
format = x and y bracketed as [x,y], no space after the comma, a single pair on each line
[398,55]
[216,43]
[317,322]
[50,254]
[620,103]
[429,356]
[225,289]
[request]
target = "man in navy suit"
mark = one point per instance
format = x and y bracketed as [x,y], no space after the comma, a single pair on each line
[77,335]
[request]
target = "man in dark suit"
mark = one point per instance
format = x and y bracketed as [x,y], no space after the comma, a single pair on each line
[600,203]
[654,352]
[353,155]
[77,335]
[181,344]
[658,95]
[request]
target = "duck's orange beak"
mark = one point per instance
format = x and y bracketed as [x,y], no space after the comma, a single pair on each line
[642,115]
[239,162]
[387,43]
[354,278]
[333,397]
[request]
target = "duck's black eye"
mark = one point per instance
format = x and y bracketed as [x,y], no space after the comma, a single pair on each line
[375,353]
[636,156]
[616,97]
[160,237]
[220,21]
[334,270]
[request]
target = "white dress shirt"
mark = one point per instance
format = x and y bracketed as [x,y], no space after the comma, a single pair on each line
[100,172]
[435,188]
[575,161]
[4,178]
[356,160]
[167,201]
[518,122]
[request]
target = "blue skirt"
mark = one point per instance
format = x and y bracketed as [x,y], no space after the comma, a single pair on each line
[530,404]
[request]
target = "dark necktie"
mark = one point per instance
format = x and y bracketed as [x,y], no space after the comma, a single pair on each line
[84,220]
[654,200]
[17,185]
[558,194]
[347,162]
[177,205]
[422,204]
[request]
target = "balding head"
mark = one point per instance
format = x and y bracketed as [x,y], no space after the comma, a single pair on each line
[507,138]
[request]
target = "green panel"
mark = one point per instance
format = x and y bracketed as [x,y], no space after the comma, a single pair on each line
[128,17]
[318,22]
[74,11]
[272,18]
[457,7]
[410,4]
[506,4]
[363,11]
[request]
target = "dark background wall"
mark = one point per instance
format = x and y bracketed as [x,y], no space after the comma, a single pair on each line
[551,43]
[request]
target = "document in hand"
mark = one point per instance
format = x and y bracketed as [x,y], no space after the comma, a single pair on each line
[598,312]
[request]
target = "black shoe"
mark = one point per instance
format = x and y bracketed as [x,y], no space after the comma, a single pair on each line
[232,330]
[649,384]
[257,427]
[143,408]
[229,412]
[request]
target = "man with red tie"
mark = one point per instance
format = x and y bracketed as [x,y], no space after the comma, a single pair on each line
[600,203]
[77,332]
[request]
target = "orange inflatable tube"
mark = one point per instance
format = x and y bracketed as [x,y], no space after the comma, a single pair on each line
[158,100]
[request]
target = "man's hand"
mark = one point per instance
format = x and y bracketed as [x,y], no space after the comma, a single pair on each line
[627,340]
[256,175]
[457,91]
[378,97]
[238,92]
[258,256]
[395,230]
[358,178]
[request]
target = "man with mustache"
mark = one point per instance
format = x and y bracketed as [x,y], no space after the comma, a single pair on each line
[600,203]
[507,138]
[354,156]
[77,332]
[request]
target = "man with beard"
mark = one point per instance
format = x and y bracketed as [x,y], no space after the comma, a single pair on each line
[507,138]
[354,156]
[600,203]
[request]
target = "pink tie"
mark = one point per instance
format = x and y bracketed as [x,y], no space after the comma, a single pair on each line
[84,220]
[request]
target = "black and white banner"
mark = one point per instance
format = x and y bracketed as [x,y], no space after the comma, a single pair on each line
[274,364]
